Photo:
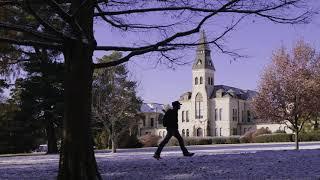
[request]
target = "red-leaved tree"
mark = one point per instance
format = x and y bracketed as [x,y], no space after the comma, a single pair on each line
[289,91]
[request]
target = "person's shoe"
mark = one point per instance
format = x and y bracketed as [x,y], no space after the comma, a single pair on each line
[157,157]
[188,154]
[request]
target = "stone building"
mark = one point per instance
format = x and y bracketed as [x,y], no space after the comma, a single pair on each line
[209,109]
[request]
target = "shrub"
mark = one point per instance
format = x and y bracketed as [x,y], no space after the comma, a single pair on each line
[280,131]
[191,141]
[279,137]
[198,140]
[310,136]
[219,140]
[127,141]
[173,142]
[260,132]
[247,137]
[149,140]
[101,140]
[233,140]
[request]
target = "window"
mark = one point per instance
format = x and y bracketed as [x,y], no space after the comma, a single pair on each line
[152,122]
[215,132]
[160,134]
[163,134]
[183,132]
[187,116]
[198,106]
[220,131]
[243,116]
[201,80]
[182,117]
[144,122]
[160,119]
[220,114]
[234,131]
[244,130]
[199,62]
[248,116]
[187,132]
[234,114]
[215,114]
[199,132]
[196,81]
[209,80]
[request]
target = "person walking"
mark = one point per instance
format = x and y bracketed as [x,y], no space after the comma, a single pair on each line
[170,121]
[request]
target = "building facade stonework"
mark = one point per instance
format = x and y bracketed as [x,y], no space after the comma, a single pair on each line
[209,109]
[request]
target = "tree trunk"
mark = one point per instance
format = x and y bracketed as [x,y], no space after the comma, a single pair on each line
[114,145]
[109,142]
[51,137]
[77,160]
[296,139]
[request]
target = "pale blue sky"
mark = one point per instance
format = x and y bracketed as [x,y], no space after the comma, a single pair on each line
[255,38]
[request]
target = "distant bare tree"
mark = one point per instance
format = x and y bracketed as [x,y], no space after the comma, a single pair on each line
[115,104]
[68,26]
[289,89]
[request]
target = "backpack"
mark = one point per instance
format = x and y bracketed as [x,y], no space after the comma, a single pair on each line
[165,118]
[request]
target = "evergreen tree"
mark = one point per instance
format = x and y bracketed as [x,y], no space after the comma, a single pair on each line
[40,96]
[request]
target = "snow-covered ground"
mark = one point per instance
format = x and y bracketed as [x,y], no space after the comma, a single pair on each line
[210,162]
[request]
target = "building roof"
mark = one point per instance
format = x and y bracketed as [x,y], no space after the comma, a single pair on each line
[227,90]
[234,92]
[152,107]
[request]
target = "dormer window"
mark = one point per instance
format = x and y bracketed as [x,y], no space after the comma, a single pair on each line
[199,62]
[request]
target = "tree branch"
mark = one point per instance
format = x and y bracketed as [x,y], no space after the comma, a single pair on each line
[31,43]
[28,30]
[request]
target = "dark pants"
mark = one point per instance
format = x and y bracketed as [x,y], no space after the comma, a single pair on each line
[170,133]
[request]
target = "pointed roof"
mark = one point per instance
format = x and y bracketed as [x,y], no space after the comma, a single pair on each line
[203,42]
[203,57]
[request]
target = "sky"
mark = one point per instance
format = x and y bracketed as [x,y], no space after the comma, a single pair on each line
[255,38]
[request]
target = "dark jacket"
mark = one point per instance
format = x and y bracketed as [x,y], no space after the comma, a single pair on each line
[171,119]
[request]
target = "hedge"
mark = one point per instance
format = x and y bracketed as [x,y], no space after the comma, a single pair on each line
[206,140]
[310,136]
[278,137]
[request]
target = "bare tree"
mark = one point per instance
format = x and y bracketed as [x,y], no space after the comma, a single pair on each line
[115,104]
[67,25]
[289,89]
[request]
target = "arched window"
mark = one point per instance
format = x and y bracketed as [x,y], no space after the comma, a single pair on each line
[201,80]
[187,132]
[160,134]
[196,81]
[183,132]
[187,116]
[182,117]
[211,81]
[220,131]
[163,134]
[199,132]
[199,106]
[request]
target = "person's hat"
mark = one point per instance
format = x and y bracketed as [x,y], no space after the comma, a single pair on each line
[175,103]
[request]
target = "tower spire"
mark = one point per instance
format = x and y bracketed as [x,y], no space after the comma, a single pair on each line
[203,42]
[203,57]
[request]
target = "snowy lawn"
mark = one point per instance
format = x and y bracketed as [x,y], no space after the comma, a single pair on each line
[283,164]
